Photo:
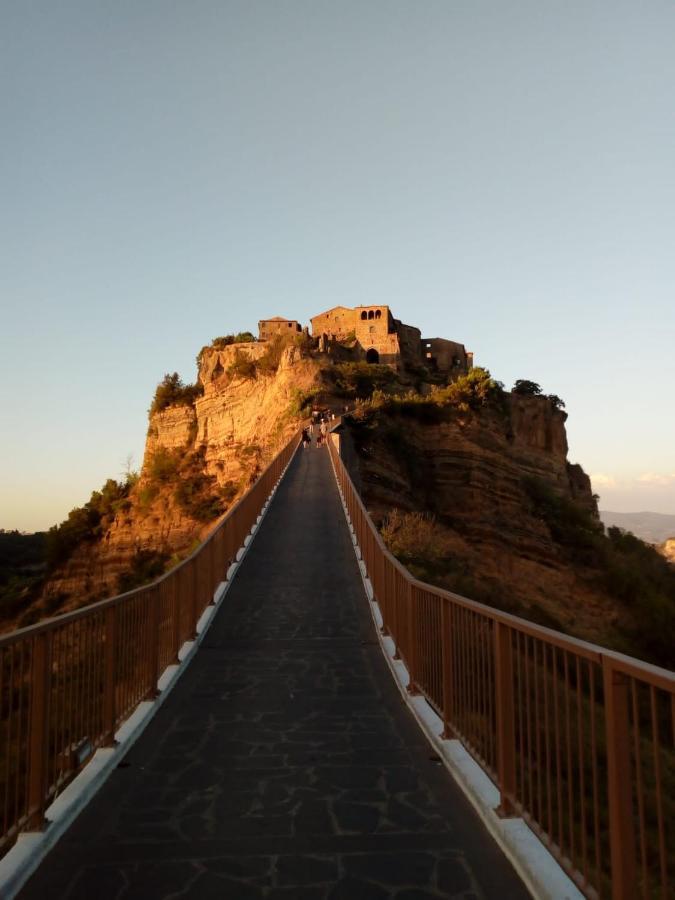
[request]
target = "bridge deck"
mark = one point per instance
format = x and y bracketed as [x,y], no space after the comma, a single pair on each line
[284,764]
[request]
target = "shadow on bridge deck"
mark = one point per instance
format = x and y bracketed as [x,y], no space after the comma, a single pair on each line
[284,764]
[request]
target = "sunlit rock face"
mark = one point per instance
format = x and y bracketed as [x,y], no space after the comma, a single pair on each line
[229,434]
[667,549]
[471,472]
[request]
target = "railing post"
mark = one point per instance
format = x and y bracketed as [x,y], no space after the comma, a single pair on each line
[175,581]
[194,590]
[39,731]
[413,633]
[505,719]
[448,683]
[213,565]
[109,710]
[619,783]
[153,643]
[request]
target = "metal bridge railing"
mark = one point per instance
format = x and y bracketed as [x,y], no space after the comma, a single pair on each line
[66,684]
[578,739]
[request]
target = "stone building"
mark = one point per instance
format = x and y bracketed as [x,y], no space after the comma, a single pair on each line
[441,355]
[378,336]
[267,328]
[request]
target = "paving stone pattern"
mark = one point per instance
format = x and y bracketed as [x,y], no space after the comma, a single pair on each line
[285,763]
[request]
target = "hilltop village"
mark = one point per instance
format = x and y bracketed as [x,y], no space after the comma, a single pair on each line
[371,333]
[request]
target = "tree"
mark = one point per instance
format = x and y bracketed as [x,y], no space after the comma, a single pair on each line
[529,388]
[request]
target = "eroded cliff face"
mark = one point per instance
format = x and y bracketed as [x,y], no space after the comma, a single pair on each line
[220,442]
[478,474]
[667,549]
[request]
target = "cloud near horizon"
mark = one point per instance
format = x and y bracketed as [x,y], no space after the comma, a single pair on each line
[657,479]
[644,480]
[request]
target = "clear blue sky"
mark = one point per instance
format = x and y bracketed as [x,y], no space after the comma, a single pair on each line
[502,174]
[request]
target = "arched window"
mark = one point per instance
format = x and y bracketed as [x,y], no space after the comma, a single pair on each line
[372,356]
[378,313]
[371,314]
[364,314]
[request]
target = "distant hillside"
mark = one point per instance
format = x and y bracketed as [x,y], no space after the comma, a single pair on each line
[649,526]
[22,566]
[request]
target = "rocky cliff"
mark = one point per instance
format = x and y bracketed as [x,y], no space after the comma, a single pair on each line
[200,456]
[484,501]
[667,549]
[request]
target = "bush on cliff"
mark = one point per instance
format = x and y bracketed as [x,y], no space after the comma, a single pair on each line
[242,366]
[200,498]
[528,388]
[226,340]
[632,572]
[86,522]
[172,392]
[358,380]
[146,565]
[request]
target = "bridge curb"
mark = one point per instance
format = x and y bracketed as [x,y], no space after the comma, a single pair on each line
[539,871]
[31,848]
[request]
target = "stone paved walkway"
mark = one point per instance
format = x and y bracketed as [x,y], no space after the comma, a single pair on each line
[284,764]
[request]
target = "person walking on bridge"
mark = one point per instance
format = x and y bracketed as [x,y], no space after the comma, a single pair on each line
[323,428]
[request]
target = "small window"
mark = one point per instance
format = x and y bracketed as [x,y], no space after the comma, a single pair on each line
[378,313]
[371,314]
[364,314]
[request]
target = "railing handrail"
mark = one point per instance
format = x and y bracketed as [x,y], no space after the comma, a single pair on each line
[73,615]
[576,737]
[629,664]
[67,683]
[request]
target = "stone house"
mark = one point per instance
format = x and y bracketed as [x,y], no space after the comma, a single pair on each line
[441,355]
[268,328]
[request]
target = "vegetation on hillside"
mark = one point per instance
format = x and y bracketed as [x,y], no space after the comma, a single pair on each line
[196,494]
[88,522]
[246,367]
[171,391]
[627,569]
[23,561]
[359,380]
[632,575]
[219,343]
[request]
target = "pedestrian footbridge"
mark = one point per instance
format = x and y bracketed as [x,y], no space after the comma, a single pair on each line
[341,730]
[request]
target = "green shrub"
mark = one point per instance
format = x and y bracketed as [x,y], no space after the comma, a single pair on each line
[146,495]
[226,340]
[360,379]
[302,402]
[268,363]
[472,391]
[199,498]
[146,566]
[631,572]
[528,388]
[242,366]
[172,392]
[85,522]
[164,465]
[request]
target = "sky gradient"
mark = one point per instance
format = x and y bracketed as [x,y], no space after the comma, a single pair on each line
[499,174]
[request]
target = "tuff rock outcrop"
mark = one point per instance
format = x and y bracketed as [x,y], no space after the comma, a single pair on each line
[475,474]
[228,434]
